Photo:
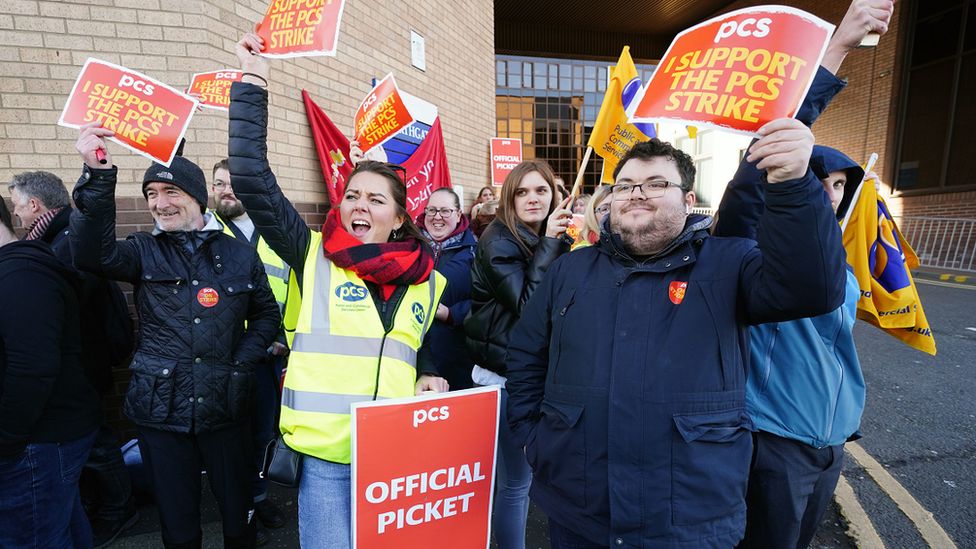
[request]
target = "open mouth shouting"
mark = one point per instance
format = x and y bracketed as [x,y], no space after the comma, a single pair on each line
[360,227]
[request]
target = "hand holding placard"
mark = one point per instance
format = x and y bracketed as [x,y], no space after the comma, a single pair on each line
[247,50]
[90,142]
[783,150]
[863,17]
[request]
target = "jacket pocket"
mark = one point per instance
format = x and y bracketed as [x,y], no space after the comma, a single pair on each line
[240,392]
[710,457]
[151,389]
[557,452]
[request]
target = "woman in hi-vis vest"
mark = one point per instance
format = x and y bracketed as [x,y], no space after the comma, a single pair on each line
[368,297]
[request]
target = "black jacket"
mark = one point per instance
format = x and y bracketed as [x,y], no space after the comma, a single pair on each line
[193,367]
[44,393]
[503,278]
[93,296]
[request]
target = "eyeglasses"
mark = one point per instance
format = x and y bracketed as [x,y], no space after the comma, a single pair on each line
[602,209]
[444,212]
[649,189]
[221,184]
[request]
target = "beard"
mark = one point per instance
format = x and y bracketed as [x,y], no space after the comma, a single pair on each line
[654,234]
[229,212]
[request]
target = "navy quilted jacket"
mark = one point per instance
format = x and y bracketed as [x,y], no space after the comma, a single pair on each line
[193,367]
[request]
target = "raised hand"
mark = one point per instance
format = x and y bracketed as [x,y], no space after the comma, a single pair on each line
[783,150]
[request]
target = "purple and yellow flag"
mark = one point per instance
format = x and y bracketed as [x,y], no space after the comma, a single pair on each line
[612,135]
[881,259]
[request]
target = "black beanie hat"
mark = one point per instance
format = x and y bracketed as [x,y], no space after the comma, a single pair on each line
[182,173]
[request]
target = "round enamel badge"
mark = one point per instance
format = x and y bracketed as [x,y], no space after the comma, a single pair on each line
[208,297]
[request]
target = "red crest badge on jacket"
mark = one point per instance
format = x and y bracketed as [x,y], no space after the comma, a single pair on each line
[676,291]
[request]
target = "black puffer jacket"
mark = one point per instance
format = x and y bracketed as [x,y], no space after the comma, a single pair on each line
[503,278]
[193,367]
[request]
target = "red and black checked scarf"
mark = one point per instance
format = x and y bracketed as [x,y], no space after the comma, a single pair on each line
[388,264]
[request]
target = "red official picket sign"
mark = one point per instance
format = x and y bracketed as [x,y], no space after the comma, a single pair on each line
[146,115]
[423,470]
[212,89]
[301,28]
[737,71]
[381,114]
[505,155]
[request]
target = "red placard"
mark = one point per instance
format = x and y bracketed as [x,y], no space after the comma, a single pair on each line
[381,114]
[423,469]
[301,28]
[146,115]
[212,89]
[737,71]
[505,155]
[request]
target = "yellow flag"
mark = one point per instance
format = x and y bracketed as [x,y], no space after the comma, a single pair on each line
[612,135]
[881,259]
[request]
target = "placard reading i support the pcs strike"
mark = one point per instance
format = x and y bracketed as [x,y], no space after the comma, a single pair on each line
[423,470]
[146,115]
[737,71]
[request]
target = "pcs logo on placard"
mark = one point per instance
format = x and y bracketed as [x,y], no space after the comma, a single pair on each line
[351,296]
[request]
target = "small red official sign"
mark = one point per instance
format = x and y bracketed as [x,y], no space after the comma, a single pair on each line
[423,470]
[212,89]
[381,114]
[505,155]
[736,71]
[301,28]
[146,115]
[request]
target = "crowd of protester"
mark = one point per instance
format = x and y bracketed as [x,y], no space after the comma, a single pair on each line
[663,376]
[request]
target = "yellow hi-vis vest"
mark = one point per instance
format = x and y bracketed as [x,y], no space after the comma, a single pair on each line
[341,353]
[280,276]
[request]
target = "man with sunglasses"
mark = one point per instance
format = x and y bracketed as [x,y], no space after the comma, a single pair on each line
[626,372]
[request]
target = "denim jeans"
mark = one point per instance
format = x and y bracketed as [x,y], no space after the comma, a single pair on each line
[324,505]
[40,505]
[514,477]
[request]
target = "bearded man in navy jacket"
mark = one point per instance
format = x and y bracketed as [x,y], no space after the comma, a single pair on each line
[627,368]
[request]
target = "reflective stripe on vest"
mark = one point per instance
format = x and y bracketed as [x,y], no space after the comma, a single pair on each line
[341,354]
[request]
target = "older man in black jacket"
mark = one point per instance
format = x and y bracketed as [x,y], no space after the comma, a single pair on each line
[207,316]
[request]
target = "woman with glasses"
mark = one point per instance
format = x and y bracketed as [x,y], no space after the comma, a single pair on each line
[596,211]
[353,341]
[446,230]
[512,257]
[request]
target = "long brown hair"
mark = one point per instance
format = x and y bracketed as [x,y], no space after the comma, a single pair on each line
[506,204]
[398,189]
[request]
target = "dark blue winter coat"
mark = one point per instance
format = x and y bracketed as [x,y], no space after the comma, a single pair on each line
[626,379]
[449,353]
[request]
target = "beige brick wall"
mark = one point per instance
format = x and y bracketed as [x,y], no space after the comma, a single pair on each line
[46,42]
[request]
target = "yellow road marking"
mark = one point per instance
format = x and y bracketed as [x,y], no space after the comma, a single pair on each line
[859,525]
[931,532]
[946,284]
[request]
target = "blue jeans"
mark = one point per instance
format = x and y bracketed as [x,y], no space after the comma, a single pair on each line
[324,505]
[514,477]
[40,505]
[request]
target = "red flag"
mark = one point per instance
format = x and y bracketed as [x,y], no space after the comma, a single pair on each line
[426,170]
[333,149]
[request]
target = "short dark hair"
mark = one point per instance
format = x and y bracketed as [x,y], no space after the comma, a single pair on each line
[44,186]
[222,165]
[654,148]
[5,219]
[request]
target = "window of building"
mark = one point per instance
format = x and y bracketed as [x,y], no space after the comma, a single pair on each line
[551,105]
[936,148]
[701,149]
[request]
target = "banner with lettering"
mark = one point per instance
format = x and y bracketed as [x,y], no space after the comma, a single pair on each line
[147,116]
[381,114]
[212,89]
[423,470]
[505,155]
[301,28]
[736,71]
[427,170]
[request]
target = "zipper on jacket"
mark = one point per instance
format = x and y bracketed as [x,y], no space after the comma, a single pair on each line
[386,332]
[840,371]
[768,366]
